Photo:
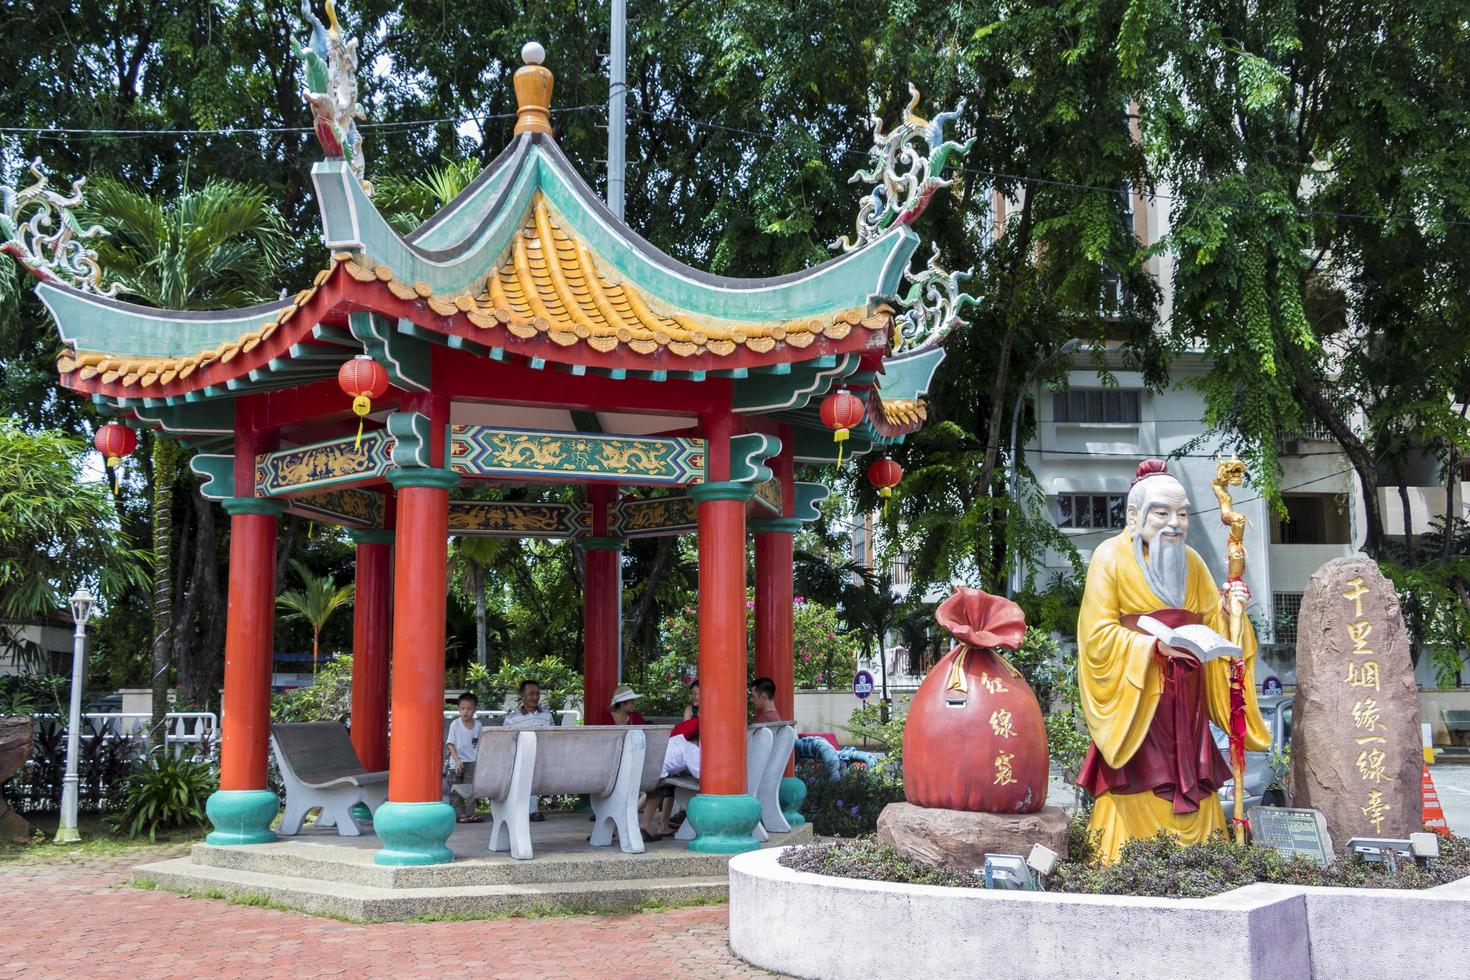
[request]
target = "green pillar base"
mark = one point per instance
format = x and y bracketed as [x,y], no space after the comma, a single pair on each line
[792,795]
[723,824]
[241,816]
[414,833]
[361,812]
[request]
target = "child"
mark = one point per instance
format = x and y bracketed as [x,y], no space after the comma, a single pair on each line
[462,743]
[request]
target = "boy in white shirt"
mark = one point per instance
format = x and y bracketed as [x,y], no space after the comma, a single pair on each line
[463,743]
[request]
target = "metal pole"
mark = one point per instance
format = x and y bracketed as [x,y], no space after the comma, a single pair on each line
[66,830]
[1013,580]
[617,109]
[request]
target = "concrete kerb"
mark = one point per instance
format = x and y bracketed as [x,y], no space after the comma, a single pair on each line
[805,925]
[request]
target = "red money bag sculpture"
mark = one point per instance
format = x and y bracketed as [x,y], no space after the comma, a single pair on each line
[975,738]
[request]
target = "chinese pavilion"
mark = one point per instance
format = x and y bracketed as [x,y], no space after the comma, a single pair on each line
[527,336]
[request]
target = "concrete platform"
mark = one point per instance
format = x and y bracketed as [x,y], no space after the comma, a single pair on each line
[317,871]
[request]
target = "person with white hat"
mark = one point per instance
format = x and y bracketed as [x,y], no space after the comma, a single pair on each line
[624,707]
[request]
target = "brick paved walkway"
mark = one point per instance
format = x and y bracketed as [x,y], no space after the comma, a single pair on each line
[58,918]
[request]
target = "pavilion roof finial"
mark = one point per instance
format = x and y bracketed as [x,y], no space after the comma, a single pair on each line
[533,83]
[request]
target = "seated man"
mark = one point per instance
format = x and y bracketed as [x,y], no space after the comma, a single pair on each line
[763,699]
[530,713]
[681,757]
[462,744]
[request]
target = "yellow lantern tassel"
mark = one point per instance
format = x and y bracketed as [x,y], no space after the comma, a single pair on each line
[112,463]
[839,437]
[361,405]
[887,494]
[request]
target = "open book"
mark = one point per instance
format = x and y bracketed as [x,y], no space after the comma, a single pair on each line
[1197,638]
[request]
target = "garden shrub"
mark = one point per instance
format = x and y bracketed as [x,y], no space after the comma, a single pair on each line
[559,683]
[1158,867]
[166,791]
[327,698]
[823,655]
[847,806]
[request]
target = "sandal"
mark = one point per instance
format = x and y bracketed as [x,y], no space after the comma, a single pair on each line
[649,838]
[474,819]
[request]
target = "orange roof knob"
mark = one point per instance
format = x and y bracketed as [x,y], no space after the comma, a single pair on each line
[533,91]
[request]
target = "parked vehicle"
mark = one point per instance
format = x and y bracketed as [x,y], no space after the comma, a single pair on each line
[1261,768]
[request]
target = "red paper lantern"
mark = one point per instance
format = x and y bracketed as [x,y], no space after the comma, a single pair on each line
[841,411]
[364,379]
[885,474]
[114,441]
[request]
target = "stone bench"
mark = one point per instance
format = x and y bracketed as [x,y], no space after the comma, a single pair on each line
[321,770]
[768,747]
[612,764]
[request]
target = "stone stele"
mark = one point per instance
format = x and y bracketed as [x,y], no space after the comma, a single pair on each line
[960,839]
[15,749]
[1355,752]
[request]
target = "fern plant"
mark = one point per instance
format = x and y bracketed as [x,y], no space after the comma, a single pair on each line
[165,792]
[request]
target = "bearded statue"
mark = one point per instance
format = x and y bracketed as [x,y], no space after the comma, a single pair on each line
[1153,765]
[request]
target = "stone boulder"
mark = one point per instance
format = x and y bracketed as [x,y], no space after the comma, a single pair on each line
[960,839]
[1356,753]
[16,735]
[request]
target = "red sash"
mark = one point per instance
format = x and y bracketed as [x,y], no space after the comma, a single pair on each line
[1178,759]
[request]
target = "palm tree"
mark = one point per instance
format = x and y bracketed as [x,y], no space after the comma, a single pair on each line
[314,604]
[472,558]
[208,248]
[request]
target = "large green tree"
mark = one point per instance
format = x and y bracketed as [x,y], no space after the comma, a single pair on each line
[206,247]
[1315,158]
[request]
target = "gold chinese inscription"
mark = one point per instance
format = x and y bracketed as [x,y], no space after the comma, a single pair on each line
[1363,675]
[1000,723]
[992,684]
[1370,765]
[1356,591]
[1003,774]
[1376,810]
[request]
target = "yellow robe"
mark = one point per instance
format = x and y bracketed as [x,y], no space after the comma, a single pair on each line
[1121,680]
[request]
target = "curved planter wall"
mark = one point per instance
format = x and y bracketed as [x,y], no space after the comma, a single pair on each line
[830,928]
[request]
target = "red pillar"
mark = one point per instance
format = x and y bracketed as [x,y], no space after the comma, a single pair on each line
[243,808]
[601,610]
[371,616]
[723,814]
[774,605]
[415,821]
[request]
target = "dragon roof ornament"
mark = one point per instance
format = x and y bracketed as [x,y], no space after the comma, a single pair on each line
[904,174]
[329,67]
[932,307]
[27,216]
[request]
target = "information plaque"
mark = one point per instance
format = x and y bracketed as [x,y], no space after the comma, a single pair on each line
[1292,831]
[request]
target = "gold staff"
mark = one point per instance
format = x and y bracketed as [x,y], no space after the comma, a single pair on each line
[1231,473]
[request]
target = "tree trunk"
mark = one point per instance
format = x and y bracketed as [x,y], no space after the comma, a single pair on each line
[482,652]
[165,462]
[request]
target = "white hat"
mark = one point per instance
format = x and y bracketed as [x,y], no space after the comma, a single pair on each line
[624,693]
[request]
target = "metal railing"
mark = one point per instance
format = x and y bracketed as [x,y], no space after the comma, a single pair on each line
[182,729]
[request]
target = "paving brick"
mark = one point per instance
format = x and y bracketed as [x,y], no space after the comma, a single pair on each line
[91,912]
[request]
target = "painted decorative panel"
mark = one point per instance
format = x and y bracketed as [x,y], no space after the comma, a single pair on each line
[345,508]
[323,464]
[655,517]
[768,495]
[479,450]
[516,519]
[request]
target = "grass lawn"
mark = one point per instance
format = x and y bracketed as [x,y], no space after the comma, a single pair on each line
[98,840]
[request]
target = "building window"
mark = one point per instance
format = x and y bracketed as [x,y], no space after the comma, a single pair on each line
[1117,405]
[1092,510]
[1286,607]
[1311,518]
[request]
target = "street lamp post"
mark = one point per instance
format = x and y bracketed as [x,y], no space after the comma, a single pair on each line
[81,609]
[1013,581]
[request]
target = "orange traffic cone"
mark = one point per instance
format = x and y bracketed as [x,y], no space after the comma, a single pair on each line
[1434,818]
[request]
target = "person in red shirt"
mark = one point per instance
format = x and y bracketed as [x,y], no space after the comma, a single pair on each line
[624,707]
[763,699]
